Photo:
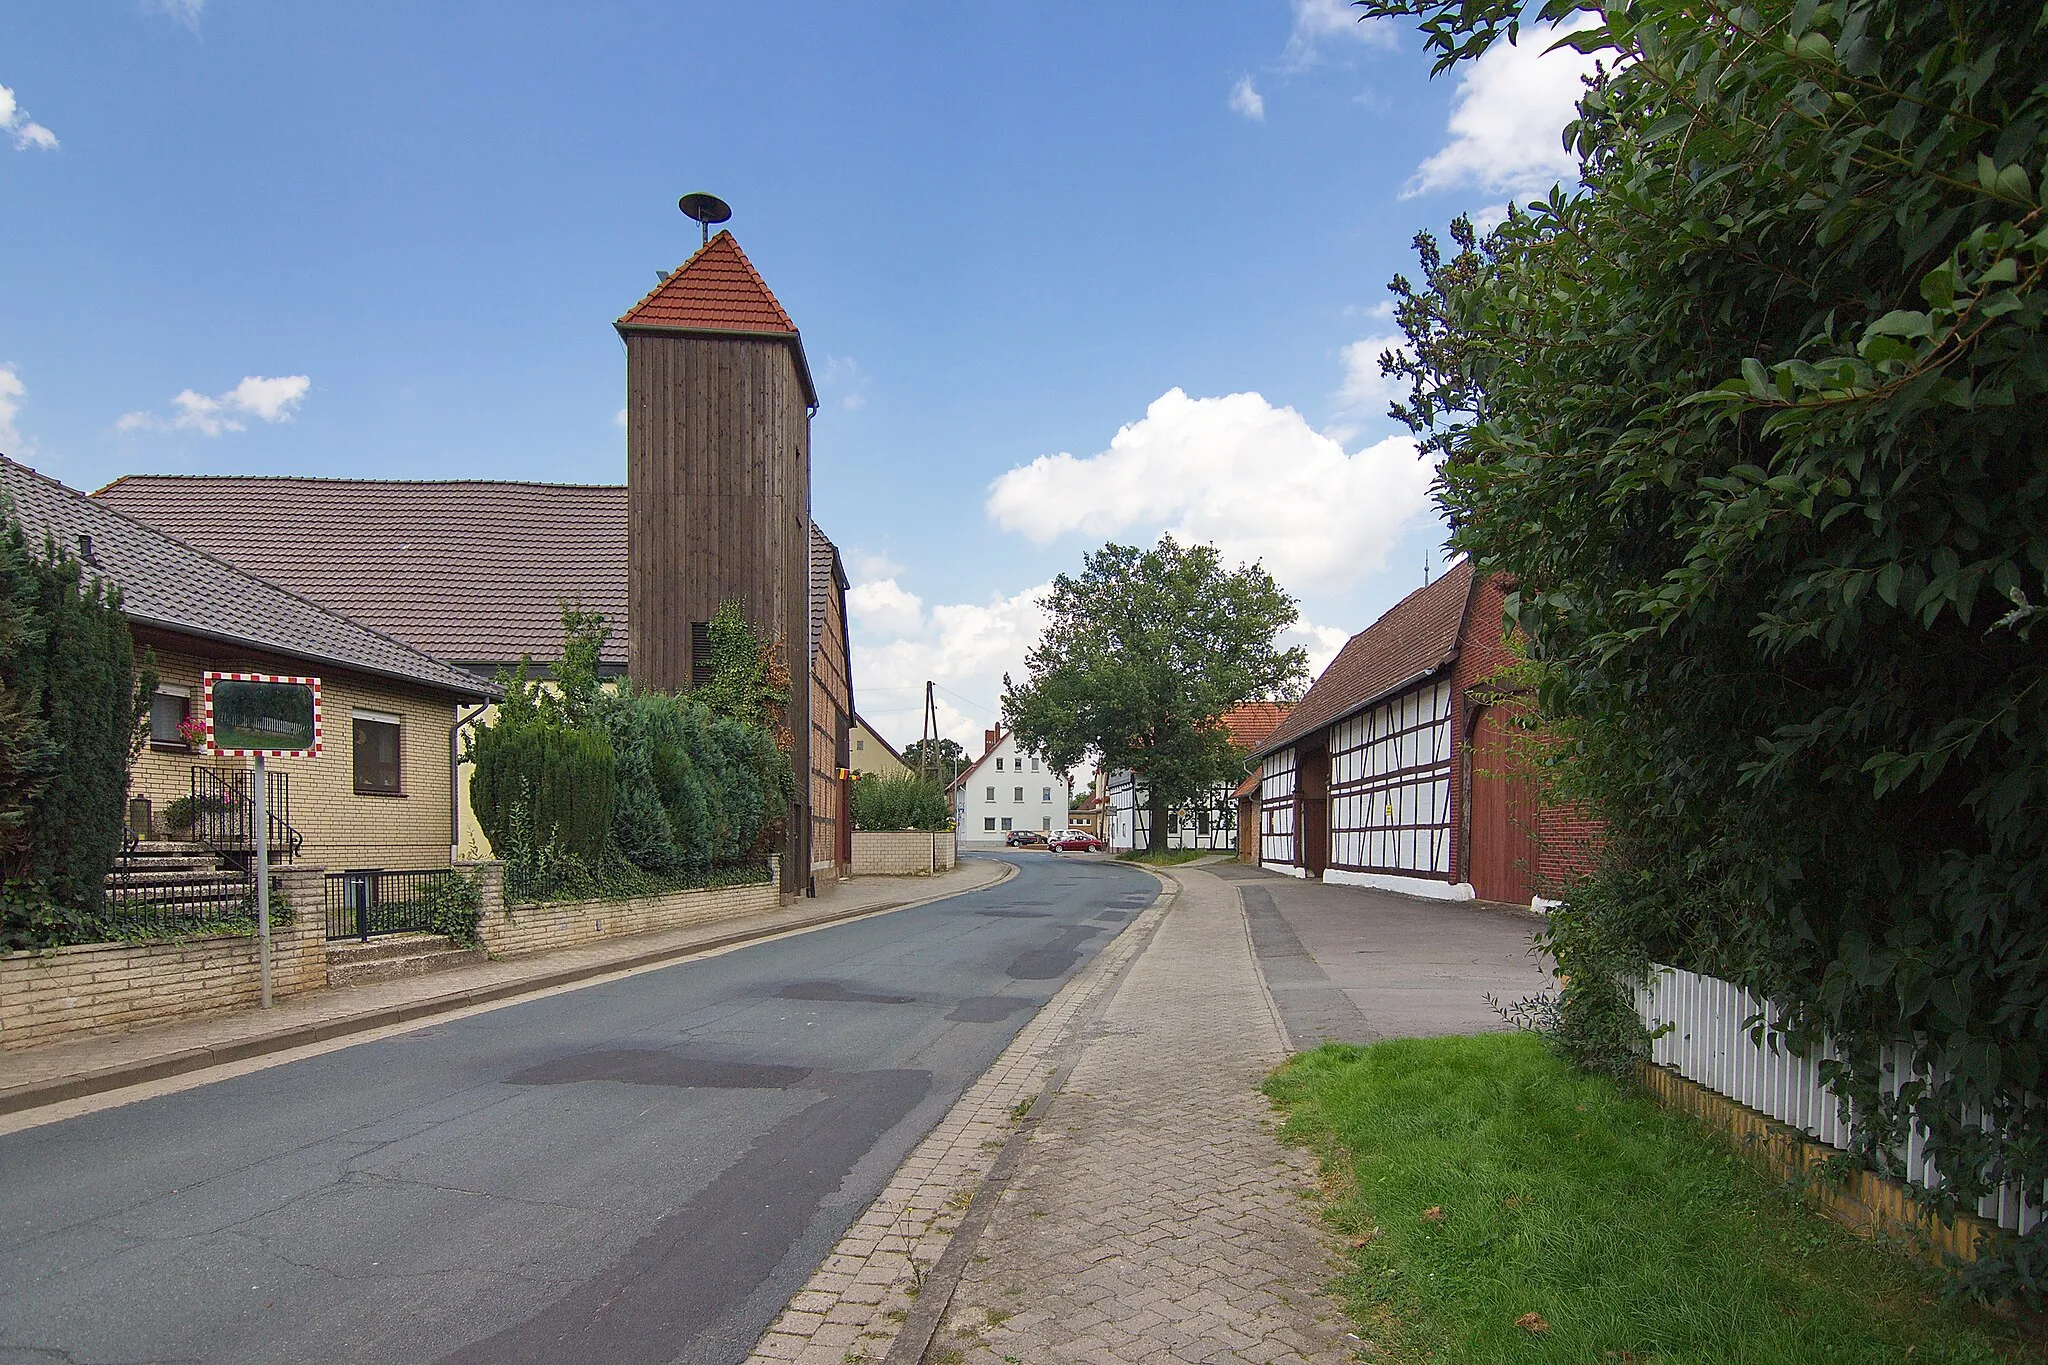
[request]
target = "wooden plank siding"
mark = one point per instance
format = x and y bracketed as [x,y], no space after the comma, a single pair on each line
[718,490]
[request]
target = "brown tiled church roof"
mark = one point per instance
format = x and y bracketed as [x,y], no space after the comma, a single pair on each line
[473,571]
[1418,636]
[178,587]
[828,579]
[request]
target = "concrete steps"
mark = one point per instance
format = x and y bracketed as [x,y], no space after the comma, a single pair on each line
[351,963]
[177,881]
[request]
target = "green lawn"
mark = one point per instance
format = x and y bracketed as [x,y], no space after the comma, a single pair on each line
[1166,857]
[1478,1180]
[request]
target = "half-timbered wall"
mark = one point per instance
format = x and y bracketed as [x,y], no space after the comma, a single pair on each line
[1277,810]
[1390,786]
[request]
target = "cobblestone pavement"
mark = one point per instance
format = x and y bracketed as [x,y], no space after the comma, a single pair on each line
[857,1303]
[1154,1216]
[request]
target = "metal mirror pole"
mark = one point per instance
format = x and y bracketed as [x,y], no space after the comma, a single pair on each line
[263,879]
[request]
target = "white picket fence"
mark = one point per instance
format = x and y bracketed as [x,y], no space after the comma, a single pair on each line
[1710,1043]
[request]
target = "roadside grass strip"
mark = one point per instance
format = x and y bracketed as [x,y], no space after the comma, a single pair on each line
[1497,1205]
[1165,857]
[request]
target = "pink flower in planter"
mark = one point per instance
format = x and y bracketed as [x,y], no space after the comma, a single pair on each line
[193,733]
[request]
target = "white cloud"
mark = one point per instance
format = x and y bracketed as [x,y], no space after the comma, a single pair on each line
[885,608]
[13,393]
[268,400]
[1317,22]
[1255,480]
[27,132]
[842,374]
[185,12]
[1245,99]
[899,643]
[1365,389]
[621,419]
[1321,642]
[1508,121]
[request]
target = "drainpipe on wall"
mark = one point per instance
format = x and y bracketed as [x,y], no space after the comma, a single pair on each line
[462,723]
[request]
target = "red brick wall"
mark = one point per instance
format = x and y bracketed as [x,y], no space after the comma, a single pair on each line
[1567,837]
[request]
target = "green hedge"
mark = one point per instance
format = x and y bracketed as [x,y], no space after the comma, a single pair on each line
[908,802]
[542,786]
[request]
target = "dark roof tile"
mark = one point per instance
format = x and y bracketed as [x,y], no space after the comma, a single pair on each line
[1417,636]
[179,587]
[470,570]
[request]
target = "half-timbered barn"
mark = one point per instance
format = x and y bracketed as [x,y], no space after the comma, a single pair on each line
[1396,771]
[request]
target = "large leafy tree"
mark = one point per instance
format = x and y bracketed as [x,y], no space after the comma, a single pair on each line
[1144,651]
[945,760]
[1758,422]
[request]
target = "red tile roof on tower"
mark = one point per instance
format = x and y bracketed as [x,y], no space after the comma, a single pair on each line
[1417,636]
[716,290]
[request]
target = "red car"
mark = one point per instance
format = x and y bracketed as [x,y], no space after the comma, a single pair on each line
[1078,841]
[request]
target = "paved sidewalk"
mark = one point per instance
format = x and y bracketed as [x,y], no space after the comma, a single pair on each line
[101,1062]
[1354,965]
[1154,1215]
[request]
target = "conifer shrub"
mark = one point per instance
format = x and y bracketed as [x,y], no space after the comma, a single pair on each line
[563,782]
[71,698]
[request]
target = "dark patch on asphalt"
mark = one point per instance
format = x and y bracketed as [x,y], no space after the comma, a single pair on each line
[1016,914]
[832,990]
[643,1067]
[1238,872]
[988,1009]
[1055,958]
[679,1280]
[1312,1007]
[1114,914]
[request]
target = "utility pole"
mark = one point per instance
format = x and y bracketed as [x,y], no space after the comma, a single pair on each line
[928,766]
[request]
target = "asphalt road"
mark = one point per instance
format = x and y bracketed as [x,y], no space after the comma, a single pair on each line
[639,1171]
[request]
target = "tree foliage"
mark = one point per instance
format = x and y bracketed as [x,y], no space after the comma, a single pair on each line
[72,699]
[1143,653]
[1755,420]
[596,788]
[948,758]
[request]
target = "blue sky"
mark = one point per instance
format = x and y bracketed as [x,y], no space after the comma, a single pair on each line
[388,240]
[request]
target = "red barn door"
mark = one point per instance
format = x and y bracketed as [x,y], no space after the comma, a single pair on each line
[1503,852]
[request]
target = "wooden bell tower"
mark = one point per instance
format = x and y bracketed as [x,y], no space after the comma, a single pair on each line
[718,476]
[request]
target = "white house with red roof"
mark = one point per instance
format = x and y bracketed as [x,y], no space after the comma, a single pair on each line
[1008,789]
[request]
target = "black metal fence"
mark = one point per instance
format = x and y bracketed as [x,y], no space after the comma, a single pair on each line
[370,901]
[222,811]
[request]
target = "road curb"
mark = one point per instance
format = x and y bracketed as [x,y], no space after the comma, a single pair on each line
[882,1290]
[935,1299]
[79,1085]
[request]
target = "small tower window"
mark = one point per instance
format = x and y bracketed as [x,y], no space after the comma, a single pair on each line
[700,654]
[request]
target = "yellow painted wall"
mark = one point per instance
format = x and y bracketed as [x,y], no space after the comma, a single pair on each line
[870,755]
[342,829]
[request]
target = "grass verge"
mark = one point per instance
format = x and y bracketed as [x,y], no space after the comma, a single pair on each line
[1164,857]
[1501,1206]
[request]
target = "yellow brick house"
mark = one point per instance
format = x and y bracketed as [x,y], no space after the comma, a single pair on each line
[380,795]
